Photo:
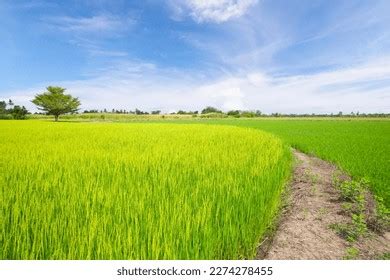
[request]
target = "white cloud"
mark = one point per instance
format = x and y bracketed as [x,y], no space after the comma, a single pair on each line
[212,10]
[226,94]
[364,88]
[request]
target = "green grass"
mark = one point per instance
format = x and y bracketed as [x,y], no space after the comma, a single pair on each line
[136,191]
[360,147]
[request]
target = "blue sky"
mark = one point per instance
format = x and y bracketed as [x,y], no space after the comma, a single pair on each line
[295,56]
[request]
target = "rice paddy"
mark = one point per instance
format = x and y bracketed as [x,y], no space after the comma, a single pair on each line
[360,147]
[137,191]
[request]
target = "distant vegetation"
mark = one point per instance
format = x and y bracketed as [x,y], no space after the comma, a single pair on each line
[211,112]
[210,109]
[55,102]
[11,111]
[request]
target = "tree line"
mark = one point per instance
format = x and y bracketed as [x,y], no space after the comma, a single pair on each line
[215,112]
[55,102]
[8,110]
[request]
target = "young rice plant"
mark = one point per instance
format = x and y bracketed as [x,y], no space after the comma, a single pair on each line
[136,191]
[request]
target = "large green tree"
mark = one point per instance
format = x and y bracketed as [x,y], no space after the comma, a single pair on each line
[55,102]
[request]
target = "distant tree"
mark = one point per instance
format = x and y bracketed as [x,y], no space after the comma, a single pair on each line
[156,112]
[182,112]
[18,112]
[210,109]
[248,114]
[3,108]
[139,112]
[55,102]
[234,113]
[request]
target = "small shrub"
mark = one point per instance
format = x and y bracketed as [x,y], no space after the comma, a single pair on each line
[385,256]
[359,225]
[348,207]
[381,217]
[346,231]
[352,253]
[350,190]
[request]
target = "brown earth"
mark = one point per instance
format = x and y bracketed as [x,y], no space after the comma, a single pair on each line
[312,204]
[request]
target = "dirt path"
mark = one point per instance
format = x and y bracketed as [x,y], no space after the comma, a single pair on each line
[313,204]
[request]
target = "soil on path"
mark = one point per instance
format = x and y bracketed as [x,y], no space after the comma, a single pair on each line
[312,205]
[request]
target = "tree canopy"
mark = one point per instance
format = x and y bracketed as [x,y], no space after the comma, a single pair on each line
[15,112]
[55,102]
[210,109]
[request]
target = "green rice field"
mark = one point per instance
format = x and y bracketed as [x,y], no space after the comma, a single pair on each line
[360,147]
[164,189]
[137,191]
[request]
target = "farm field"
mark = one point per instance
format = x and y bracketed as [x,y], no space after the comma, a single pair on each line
[137,191]
[361,147]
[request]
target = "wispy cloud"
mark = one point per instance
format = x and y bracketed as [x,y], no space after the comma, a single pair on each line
[99,52]
[90,33]
[29,5]
[217,11]
[95,24]
[248,43]
[268,39]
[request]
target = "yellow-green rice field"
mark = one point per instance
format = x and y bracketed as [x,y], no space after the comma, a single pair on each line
[136,191]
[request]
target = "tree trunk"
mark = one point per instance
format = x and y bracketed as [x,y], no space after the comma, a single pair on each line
[56,118]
